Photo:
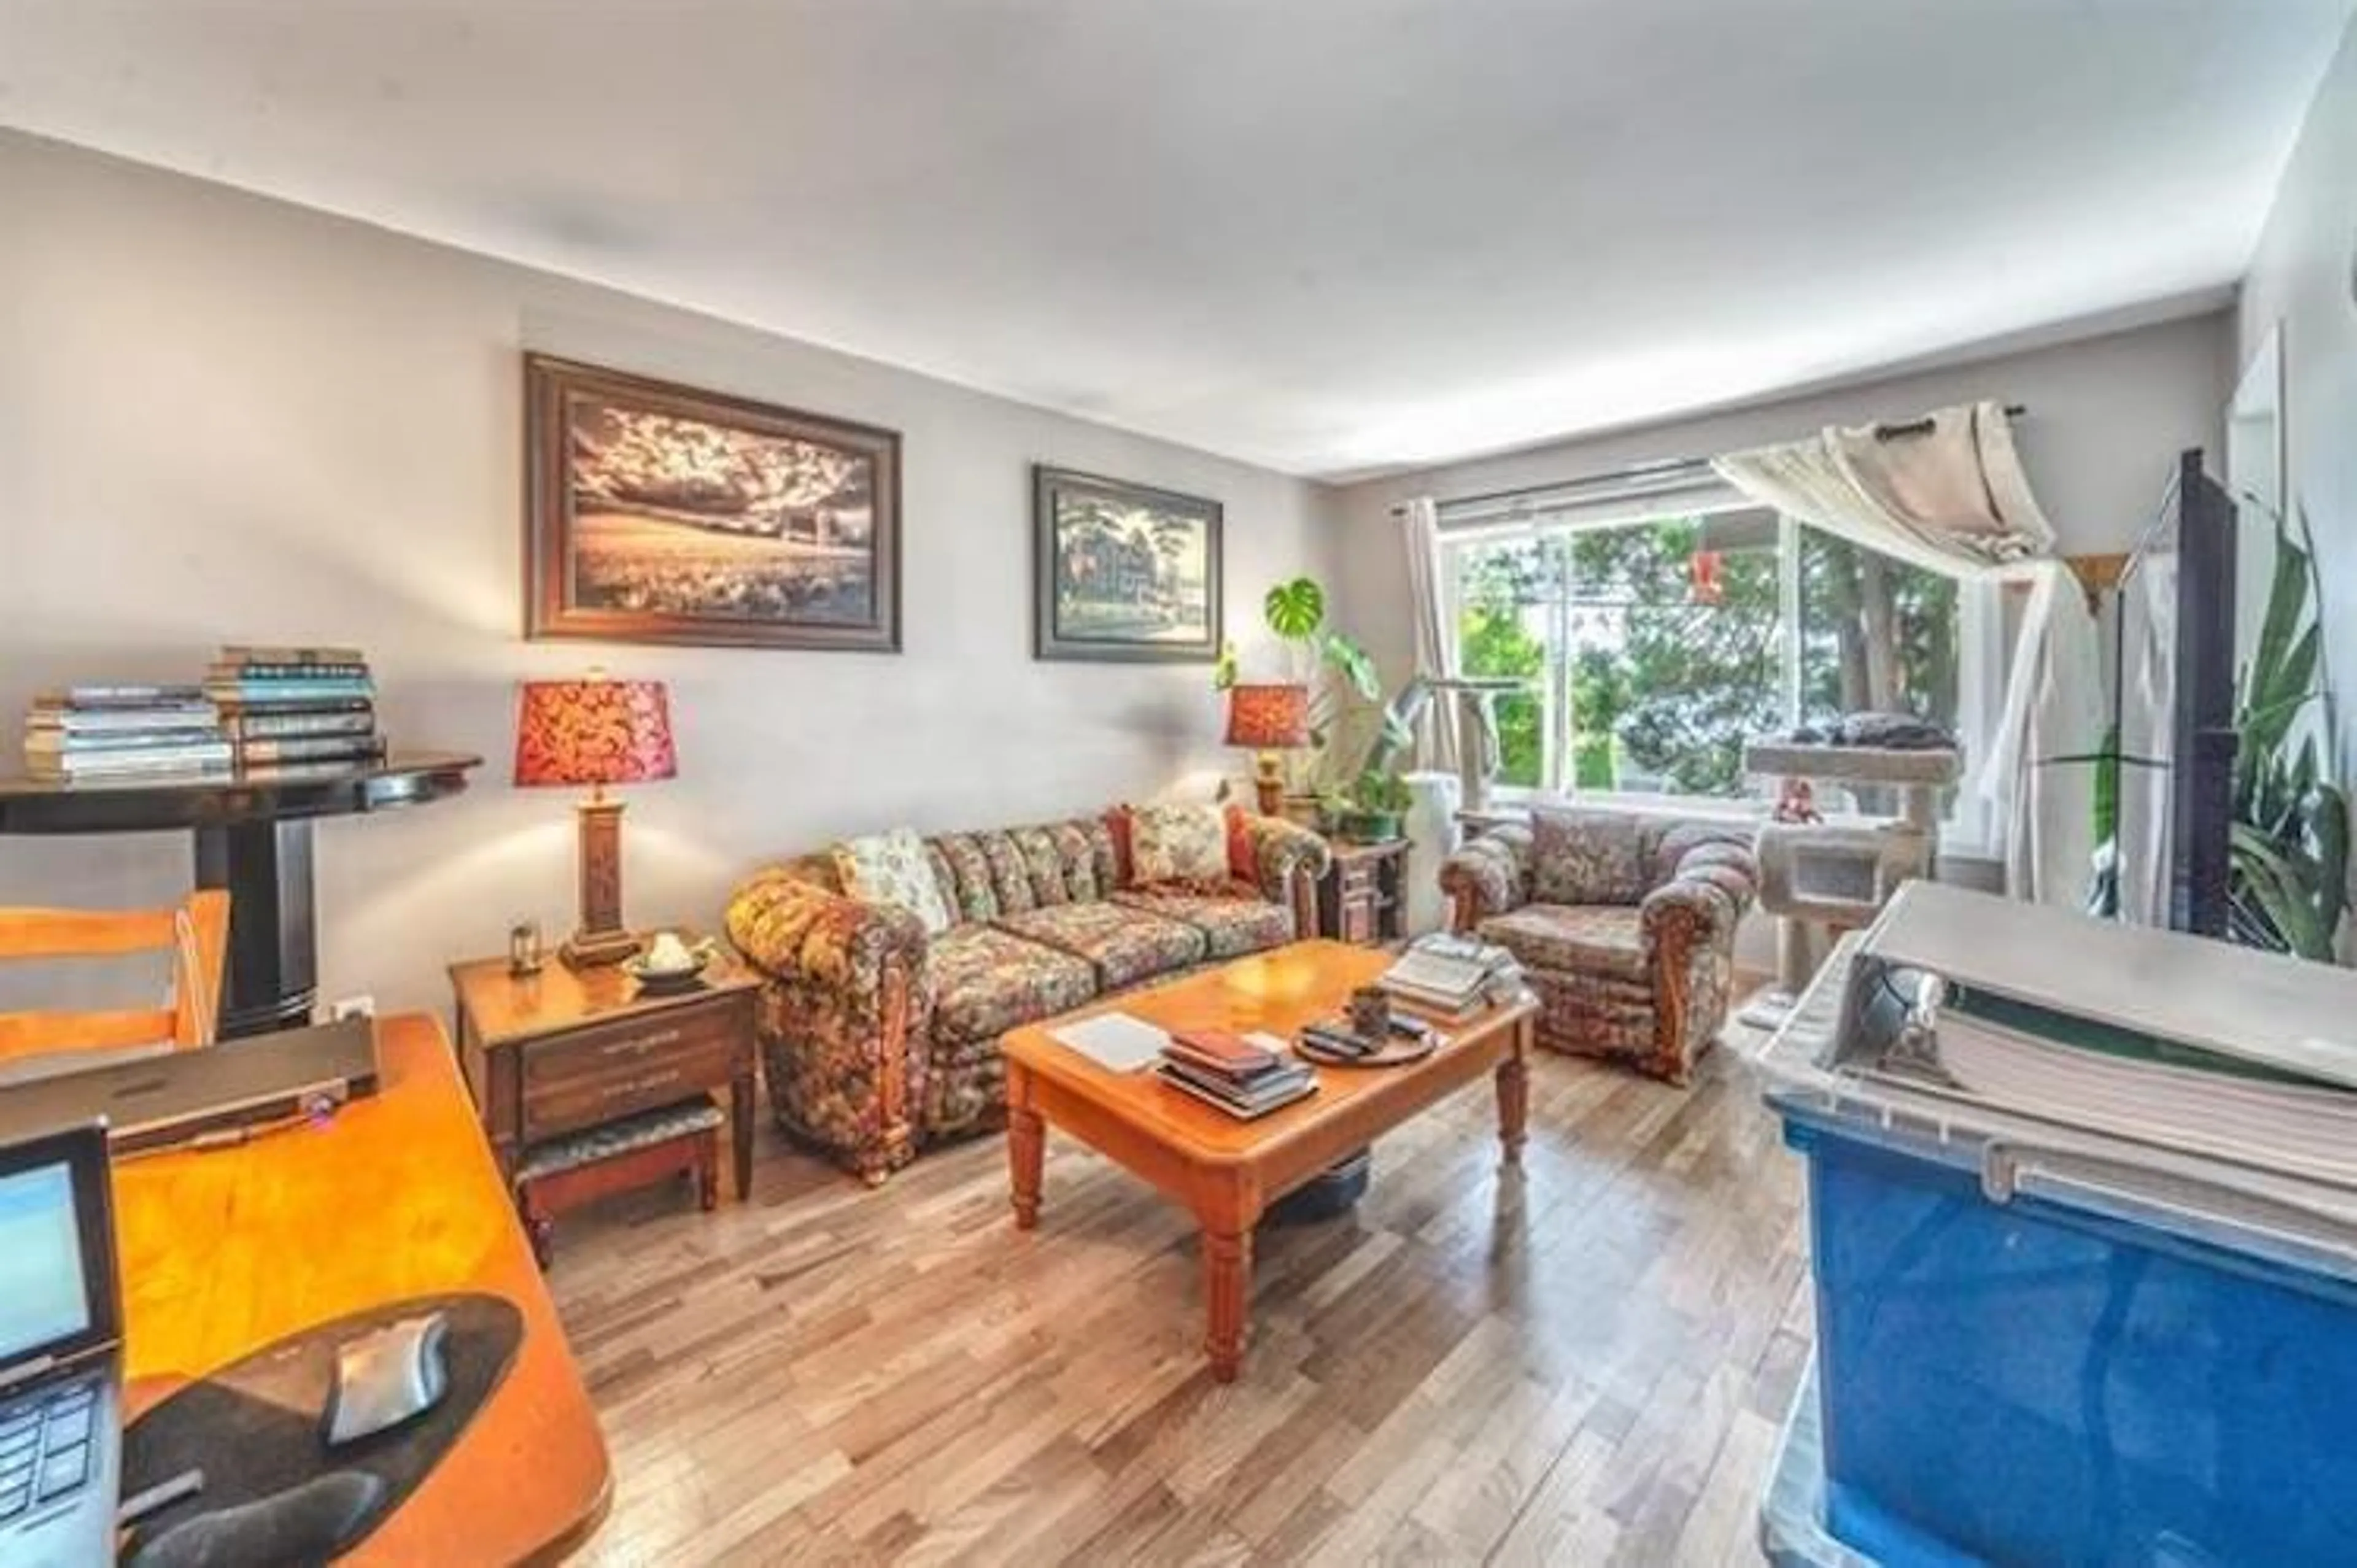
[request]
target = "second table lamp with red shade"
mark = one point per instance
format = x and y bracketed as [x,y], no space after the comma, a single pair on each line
[596,732]
[1268,719]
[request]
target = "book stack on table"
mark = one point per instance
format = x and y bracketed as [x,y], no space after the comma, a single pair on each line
[119,733]
[1231,1073]
[1453,976]
[291,710]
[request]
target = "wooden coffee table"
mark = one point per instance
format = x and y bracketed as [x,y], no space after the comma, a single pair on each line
[1228,1171]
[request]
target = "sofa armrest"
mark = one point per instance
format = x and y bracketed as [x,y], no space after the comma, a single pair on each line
[1689,923]
[844,1006]
[1488,875]
[1288,859]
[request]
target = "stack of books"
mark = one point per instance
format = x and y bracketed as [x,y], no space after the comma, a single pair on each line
[1453,976]
[296,710]
[123,733]
[1227,1071]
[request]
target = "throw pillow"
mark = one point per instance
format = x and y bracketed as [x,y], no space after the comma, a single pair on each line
[1186,845]
[1243,865]
[1124,868]
[1586,857]
[891,868]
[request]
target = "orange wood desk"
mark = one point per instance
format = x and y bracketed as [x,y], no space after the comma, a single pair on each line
[225,1251]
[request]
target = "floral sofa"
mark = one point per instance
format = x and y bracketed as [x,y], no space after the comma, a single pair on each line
[878,1038]
[1624,924]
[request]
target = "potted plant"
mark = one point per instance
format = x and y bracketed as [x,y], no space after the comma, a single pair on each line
[1378,804]
[1339,672]
[2288,887]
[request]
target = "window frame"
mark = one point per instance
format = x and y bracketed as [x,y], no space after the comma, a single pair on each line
[1966,830]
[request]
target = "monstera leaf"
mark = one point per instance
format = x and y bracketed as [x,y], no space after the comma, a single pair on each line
[1295,609]
[1354,664]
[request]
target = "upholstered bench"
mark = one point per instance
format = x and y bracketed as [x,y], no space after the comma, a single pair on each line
[558,1174]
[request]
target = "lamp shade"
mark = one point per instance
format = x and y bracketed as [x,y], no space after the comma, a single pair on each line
[1273,718]
[594,732]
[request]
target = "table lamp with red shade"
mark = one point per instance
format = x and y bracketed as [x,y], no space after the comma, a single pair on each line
[596,732]
[1268,719]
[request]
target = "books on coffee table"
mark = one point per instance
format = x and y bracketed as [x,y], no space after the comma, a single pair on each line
[1242,1078]
[1453,976]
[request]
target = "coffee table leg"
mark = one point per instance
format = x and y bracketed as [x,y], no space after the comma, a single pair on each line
[1227,1293]
[1515,1094]
[1026,1146]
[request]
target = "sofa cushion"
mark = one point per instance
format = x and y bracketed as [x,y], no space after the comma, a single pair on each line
[1121,945]
[1231,926]
[1588,939]
[1042,864]
[1186,844]
[893,868]
[1011,873]
[987,982]
[969,885]
[1587,857]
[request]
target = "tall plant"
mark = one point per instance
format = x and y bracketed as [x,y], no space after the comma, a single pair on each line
[2288,878]
[1340,674]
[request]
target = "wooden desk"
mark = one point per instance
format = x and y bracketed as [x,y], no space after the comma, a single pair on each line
[227,1250]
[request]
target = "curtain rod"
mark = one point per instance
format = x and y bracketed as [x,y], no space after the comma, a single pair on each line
[1665,468]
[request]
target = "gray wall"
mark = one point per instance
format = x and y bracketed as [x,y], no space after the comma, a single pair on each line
[227,419]
[2106,414]
[2304,276]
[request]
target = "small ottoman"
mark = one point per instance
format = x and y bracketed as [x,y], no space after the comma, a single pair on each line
[562,1172]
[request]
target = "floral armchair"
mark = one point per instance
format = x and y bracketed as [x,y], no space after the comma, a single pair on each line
[1624,924]
[878,1037]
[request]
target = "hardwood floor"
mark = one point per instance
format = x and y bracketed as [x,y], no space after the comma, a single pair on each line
[1588,1362]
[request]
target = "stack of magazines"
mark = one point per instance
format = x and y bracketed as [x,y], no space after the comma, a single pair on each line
[1227,1071]
[1337,1036]
[293,711]
[118,732]
[1454,976]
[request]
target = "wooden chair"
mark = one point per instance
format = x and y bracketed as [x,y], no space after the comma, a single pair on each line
[195,933]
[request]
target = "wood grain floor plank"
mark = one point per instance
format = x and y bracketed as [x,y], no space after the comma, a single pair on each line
[1584,1360]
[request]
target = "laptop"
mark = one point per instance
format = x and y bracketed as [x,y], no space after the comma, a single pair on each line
[216,1095]
[60,1352]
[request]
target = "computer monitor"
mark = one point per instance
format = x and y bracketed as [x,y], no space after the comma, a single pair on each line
[58,1297]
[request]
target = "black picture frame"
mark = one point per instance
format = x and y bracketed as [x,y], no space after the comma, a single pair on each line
[711,570]
[1151,569]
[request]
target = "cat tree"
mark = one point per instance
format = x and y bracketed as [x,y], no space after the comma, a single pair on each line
[1817,877]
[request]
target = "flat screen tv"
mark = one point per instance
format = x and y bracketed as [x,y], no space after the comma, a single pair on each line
[2173,697]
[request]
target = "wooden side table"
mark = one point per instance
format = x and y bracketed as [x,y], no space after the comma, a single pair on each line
[567,1064]
[1360,897]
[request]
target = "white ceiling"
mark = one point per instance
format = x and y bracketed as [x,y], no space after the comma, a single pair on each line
[1330,236]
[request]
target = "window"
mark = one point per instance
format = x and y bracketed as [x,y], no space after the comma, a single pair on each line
[1653,650]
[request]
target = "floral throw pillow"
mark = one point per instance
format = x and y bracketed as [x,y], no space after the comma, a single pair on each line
[891,868]
[1182,845]
[1586,857]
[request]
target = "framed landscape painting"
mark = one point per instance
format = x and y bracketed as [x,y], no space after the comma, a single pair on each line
[1122,571]
[658,513]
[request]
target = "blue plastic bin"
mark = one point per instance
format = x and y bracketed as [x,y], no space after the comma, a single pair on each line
[2047,1381]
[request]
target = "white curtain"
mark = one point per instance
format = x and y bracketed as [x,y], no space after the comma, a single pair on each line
[1947,493]
[1436,647]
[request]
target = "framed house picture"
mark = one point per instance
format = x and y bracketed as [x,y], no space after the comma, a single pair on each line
[658,513]
[1122,571]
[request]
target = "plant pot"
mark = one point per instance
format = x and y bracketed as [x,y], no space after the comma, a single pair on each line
[1370,827]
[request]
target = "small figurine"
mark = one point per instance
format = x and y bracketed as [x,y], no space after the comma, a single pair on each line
[1798,802]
